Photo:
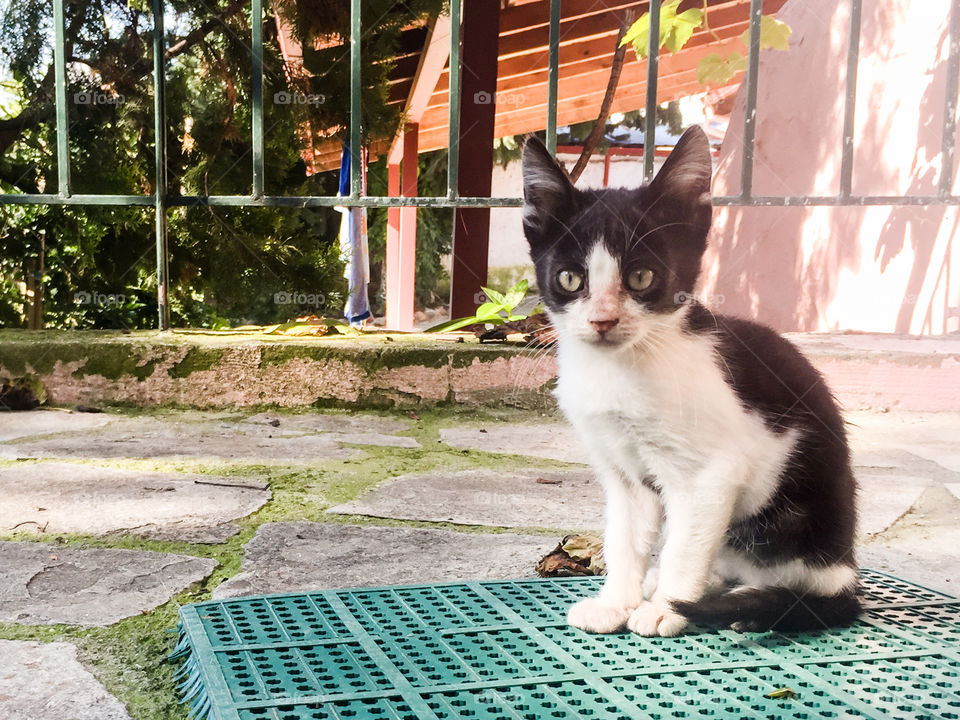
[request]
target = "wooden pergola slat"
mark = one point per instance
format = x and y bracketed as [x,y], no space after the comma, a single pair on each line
[588,31]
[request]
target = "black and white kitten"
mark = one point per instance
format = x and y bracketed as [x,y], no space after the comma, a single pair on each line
[715,428]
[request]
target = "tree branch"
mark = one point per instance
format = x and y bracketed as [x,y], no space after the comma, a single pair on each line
[40,109]
[197,34]
[590,144]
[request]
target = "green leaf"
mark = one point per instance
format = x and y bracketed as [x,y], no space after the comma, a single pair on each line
[452,325]
[774,34]
[714,69]
[515,318]
[675,30]
[489,308]
[681,29]
[515,295]
[492,294]
[638,34]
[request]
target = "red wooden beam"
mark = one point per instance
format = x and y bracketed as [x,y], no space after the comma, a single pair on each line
[471,226]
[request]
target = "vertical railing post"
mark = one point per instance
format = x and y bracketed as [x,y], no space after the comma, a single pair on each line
[256,124]
[750,111]
[60,97]
[160,160]
[356,88]
[453,102]
[653,69]
[950,103]
[553,72]
[850,99]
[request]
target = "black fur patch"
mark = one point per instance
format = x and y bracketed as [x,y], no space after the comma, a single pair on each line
[771,608]
[813,514]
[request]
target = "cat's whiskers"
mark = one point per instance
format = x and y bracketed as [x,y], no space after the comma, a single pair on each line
[542,351]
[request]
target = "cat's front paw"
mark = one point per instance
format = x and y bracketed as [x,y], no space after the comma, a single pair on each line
[597,616]
[655,618]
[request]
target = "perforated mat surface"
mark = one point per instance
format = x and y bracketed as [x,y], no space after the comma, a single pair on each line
[503,650]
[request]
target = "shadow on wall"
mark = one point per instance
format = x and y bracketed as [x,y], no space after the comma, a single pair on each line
[876,269]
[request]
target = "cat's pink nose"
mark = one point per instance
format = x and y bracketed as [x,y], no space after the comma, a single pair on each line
[604,326]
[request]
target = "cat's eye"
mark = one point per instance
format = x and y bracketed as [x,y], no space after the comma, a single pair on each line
[640,280]
[570,280]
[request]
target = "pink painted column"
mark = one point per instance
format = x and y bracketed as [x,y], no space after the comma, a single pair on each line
[393,249]
[402,236]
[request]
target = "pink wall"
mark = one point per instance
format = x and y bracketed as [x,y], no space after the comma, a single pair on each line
[876,269]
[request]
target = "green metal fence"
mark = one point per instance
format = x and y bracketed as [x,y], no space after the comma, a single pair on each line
[161,200]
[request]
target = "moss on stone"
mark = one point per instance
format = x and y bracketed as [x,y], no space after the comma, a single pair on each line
[197,358]
[117,356]
[116,361]
[281,353]
[111,360]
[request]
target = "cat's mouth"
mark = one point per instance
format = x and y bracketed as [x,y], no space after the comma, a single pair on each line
[611,340]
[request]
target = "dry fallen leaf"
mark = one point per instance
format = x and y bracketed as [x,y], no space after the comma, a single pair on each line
[548,481]
[575,555]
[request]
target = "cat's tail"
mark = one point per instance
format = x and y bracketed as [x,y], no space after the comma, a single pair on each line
[756,609]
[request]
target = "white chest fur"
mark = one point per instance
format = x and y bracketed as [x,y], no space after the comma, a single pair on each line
[668,414]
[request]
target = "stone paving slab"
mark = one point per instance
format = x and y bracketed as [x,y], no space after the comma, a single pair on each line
[488,497]
[495,498]
[174,438]
[331,422]
[45,681]
[936,570]
[915,439]
[299,556]
[923,544]
[353,429]
[44,584]
[57,497]
[884,499]
[41,422]
[555,441]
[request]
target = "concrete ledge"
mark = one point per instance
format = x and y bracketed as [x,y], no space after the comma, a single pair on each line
[887,372]
[196,369]
[210,370]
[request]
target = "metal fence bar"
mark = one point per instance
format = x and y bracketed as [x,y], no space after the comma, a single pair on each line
[161,202]
[653,69]
[833,200]
[750,112]
[60,97]
[48,199]
[364,201]
[850,98]
[453,102]
[553,75]
[301,201]
[160,169]
[950,103]
[256,92]
[356,88]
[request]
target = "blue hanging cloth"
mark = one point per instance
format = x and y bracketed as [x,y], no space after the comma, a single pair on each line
[354,251]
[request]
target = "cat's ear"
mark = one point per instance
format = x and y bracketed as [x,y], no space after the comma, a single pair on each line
[548,195]
[683,183]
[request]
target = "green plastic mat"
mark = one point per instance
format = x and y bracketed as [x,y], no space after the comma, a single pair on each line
[503,650]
